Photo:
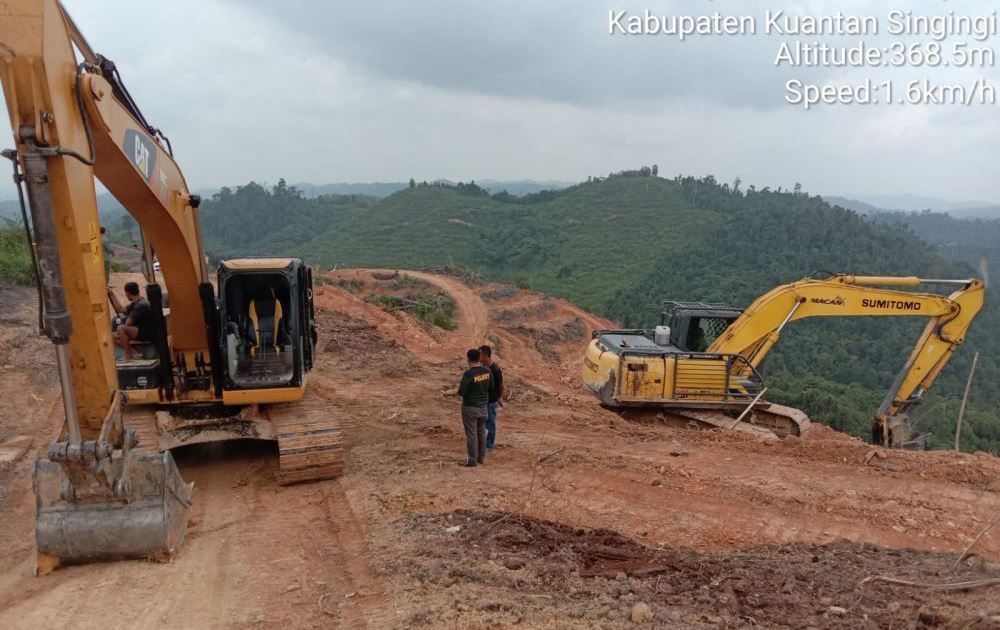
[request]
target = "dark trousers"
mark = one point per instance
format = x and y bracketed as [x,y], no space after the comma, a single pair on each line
[491,424]
[474,423]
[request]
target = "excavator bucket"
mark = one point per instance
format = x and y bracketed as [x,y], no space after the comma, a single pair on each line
[96,503]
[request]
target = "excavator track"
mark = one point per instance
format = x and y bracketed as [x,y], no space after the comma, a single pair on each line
[142,420]
[781,420]
[310,442]
[770,421]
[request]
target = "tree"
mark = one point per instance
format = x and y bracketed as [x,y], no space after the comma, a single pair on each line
[413,183]
[127,226]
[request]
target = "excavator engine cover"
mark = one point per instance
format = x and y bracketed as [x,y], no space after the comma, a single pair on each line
[96,503]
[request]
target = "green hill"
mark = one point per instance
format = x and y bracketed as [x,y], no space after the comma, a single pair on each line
[618,245]
[573,243]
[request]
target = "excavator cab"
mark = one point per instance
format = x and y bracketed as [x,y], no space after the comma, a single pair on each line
[269,333]
[695,325]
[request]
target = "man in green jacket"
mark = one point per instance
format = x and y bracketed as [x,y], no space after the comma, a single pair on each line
[474,388]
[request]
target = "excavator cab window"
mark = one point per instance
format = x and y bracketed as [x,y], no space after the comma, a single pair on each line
[262,326]
[696,341]
[694,326]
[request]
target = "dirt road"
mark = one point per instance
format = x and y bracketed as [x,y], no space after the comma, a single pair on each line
[579,519]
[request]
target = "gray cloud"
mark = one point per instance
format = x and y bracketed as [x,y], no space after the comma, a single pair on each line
[385,90]
[558,50]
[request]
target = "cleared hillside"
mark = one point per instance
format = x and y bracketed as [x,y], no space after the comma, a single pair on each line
[619,245]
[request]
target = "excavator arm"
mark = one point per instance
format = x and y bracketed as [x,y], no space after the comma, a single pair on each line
[73,121]
[99,495]
[755,332]
[97,498]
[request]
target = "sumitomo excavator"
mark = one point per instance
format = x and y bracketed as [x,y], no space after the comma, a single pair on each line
[223,364]
[701,363]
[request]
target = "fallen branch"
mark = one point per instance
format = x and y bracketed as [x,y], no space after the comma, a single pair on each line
[549,456]
[965,554]
[927,586]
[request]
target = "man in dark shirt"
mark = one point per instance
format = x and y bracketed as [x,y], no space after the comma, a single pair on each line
[496,394]
[474,388]
[138,324]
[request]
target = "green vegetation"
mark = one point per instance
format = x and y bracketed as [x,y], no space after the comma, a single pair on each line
[436,309]
[620,244]
[15,260]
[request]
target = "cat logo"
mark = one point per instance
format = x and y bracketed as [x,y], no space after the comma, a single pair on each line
[141,157]
[142,152]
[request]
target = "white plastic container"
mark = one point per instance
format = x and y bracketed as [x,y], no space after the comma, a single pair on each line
[661,335]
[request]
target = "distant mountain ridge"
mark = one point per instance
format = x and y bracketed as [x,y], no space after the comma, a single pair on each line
[915,203]
[112,210]
[384,189]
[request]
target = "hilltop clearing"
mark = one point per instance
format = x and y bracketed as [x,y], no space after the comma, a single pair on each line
[580,517]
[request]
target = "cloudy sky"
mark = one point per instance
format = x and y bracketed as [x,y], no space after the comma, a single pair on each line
[382,90]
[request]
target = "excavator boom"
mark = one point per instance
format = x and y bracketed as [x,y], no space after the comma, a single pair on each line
[756,331]
[96,497]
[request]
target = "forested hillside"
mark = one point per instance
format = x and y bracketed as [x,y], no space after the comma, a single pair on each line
[618,245]
[974,241]
[621,244]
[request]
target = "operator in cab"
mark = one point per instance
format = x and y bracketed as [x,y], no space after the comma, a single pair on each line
[138,325]
[697,341]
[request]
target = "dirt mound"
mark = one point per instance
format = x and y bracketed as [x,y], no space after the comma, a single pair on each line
[502,292]
[562,575]
[547,339]
[469,278]
[357,343]
[533,311]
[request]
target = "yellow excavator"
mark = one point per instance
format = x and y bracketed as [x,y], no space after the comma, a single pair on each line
[226,364]
[701,363]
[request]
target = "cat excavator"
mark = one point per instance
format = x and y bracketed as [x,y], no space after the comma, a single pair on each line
[223,364]
[701,364]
